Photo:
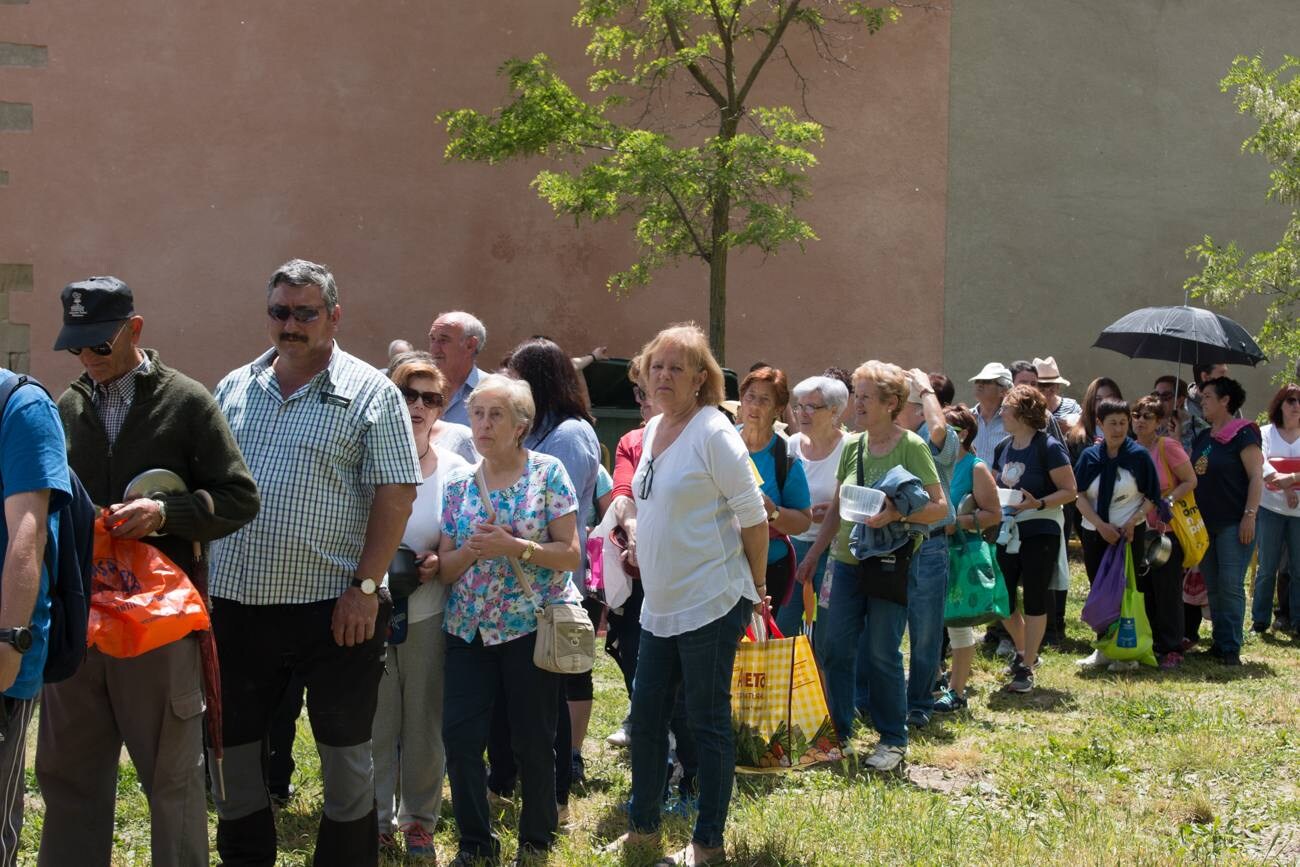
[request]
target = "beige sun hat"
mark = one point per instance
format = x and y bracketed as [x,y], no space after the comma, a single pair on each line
[1048,372]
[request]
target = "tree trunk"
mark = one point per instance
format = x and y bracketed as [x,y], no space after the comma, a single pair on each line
[718,279]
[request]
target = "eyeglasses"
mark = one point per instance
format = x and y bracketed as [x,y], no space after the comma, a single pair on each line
[1163,395]
[1292,399]
[430,399]
[1148,416]
[638,393]
[282,312]
[104,349]
[647,481]
[809,408]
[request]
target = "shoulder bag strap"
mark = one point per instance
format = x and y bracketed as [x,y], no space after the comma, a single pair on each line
[780,458]
[862,438]
[514,562]
[1164,459]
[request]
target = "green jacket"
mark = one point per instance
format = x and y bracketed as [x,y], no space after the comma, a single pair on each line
[173,423]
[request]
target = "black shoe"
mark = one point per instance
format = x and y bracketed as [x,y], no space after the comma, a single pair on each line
[1214,651]
[1259,627]
[577,770]
[1230,659]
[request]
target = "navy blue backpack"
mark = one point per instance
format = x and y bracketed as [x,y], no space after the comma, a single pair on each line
[70,576]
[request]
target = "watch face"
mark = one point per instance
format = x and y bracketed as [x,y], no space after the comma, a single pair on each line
[368,586]
[21,639]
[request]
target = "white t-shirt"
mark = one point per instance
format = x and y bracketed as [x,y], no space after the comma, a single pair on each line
[424,531]
[1125,500]
[821,478]
[1276,447]
[702,489]
[459,439]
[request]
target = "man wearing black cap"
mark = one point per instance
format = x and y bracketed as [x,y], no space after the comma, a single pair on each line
[126,414]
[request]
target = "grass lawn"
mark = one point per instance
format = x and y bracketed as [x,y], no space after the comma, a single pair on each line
[1198,766]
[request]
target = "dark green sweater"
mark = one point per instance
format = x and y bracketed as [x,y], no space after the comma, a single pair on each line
[173,423]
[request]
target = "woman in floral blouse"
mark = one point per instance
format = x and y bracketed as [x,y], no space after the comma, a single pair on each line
[491,621]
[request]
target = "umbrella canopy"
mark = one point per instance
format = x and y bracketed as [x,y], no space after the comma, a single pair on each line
[1187,335]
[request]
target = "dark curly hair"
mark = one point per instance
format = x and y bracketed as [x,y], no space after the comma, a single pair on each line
[1225,386]
[550,374]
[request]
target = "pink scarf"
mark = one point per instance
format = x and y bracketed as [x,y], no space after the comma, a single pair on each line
[1232,428]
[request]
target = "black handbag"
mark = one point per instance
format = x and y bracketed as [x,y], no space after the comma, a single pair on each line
[885,575]
[403,573]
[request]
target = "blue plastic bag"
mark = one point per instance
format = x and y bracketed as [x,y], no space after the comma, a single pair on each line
[1102,606]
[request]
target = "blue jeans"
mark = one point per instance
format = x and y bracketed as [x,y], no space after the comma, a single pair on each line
[701,663]
[1275,533]
[1224,569]
[854,616]
[927,591]
[790,618]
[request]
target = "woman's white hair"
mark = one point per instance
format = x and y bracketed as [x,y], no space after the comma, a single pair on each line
[834,392]
[518,395]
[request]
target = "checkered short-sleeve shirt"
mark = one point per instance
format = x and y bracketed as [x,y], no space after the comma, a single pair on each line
[317,458]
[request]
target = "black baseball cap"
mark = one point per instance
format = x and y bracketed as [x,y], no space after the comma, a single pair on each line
[93,311]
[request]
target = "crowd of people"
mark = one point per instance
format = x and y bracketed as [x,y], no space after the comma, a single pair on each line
[380,543]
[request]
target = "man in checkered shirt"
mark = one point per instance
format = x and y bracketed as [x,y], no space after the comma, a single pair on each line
[328,440]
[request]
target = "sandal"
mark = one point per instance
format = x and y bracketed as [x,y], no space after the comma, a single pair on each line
[631,840]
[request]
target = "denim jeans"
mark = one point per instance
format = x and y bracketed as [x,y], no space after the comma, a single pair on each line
[701,663]
[790,618]
[1274,533]
[853,616]
[1224,569]
[927,591]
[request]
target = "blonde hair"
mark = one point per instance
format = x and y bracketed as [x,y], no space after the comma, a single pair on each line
[518,394]
[889,379]
[403,373]
[688,337]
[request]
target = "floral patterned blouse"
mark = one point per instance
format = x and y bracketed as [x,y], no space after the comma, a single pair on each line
[487,599]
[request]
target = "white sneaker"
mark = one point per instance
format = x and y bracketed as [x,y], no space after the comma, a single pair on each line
[1093,660]
[620,737]
[886,758]
[1006,649]
[1123,665]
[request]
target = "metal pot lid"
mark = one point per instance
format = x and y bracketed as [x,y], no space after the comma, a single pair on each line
[154,483]
[967,505]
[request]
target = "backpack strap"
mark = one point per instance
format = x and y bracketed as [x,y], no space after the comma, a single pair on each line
[784,460]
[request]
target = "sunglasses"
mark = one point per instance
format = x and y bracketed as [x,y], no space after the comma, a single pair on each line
[1148,416]
[430,399]
[1163,395]
[282,312]
[648,480]
[103,350]
[1292,399]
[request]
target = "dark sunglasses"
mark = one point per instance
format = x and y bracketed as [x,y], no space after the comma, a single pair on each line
[1163,395]
[430,399]
[1291,399]
[1149,416]
[282,312]
[104,349]
[648,480]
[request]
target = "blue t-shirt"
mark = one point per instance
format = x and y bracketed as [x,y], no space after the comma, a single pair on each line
[574,442]
[794,496]
[34,457]
[1023,469]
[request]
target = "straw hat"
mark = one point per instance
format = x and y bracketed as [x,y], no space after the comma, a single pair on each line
[1048,372]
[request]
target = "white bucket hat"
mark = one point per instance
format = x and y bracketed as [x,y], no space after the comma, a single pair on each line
[1048,372]
[994,371]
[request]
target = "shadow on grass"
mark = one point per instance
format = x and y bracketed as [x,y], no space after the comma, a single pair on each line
[1041,698]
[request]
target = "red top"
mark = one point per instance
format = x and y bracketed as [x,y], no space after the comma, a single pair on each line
[627,454]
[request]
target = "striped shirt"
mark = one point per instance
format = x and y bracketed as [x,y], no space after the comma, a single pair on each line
[114,400]
[317,458]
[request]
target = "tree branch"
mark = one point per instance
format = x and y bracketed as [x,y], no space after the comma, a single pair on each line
[728,55]
[698,74]
[772,42]
[690,227]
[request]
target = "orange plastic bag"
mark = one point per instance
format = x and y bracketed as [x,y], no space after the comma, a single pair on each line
[140,599]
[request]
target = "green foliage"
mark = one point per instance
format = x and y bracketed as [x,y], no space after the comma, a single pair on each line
[687,198]
[1229,273]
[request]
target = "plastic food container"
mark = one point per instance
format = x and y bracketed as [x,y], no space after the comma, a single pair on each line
[857,503]
[1011,496]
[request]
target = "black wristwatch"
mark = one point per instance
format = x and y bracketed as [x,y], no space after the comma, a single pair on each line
[18,636]
[368,586]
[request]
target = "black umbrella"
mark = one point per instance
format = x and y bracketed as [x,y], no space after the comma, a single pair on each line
[1186,335]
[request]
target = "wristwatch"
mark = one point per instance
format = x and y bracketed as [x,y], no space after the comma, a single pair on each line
[774,514]
[368,586]
[162,513]
[528,551]
[18,636]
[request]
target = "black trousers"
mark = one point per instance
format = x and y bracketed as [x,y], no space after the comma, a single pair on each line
[263,648]
[478,679]
[1163,597]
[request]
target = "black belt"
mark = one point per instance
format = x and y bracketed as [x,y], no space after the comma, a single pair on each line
[938,531]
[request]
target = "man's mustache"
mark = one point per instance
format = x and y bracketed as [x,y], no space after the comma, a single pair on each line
[284,335]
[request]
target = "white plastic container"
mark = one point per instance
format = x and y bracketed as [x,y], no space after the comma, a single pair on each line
[1010,496]
[857,503]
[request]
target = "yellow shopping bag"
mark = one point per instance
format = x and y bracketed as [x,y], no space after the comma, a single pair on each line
[778,709]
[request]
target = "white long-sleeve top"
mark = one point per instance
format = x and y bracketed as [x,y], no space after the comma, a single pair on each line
[702,489]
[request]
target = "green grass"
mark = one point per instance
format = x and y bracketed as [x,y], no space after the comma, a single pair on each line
[1198,766]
